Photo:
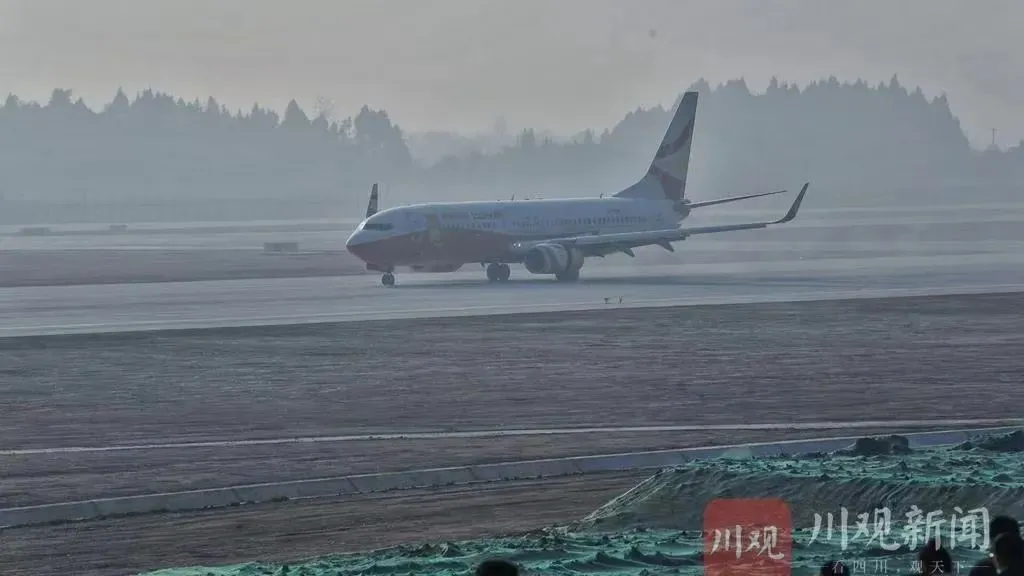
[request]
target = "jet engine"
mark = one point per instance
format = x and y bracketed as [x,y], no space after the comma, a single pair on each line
[553,259]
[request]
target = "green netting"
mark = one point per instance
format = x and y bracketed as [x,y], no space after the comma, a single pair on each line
[965,476]
[633,553]
[654,529]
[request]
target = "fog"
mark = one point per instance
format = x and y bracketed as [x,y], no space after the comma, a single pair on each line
[190,312]
[459,64]
[183,123]
[153,156]
[127,112]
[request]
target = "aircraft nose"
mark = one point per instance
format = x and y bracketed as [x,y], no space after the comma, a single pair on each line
[354,240]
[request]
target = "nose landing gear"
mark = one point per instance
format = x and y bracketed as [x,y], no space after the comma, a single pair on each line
[388,279]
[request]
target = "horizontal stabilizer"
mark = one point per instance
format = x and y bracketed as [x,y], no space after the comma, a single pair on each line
[730,199]
[600,244]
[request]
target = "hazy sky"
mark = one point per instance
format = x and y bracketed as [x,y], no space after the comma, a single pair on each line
[560,64]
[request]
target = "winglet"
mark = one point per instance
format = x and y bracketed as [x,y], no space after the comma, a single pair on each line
[371,208]
[795,207]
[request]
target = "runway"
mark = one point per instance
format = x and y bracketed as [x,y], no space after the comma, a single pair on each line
[159,306]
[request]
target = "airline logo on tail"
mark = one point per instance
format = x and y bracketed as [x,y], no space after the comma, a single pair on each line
[671,162]
[666,177]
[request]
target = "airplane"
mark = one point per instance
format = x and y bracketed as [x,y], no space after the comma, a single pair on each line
[549,236]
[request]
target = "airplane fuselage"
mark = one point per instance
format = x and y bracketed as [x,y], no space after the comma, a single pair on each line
[443,236]
[554,236]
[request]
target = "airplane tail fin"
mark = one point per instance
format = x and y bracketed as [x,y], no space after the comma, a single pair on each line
[371,208]
[666,177]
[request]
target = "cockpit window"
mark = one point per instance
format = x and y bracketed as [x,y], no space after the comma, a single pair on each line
[377,226]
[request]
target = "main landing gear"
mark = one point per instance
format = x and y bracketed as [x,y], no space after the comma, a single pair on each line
[388,279]
[498,272]
[572,276]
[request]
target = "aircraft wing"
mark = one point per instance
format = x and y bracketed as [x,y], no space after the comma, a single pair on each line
[602,244]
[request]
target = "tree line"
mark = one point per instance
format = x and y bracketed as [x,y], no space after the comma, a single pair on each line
[158,150]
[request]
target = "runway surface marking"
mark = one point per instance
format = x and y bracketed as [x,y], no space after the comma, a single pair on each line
[523,432]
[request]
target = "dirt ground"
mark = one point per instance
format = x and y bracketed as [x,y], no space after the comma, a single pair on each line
[898,358]
[294,530]
[44,478]
[909,358]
